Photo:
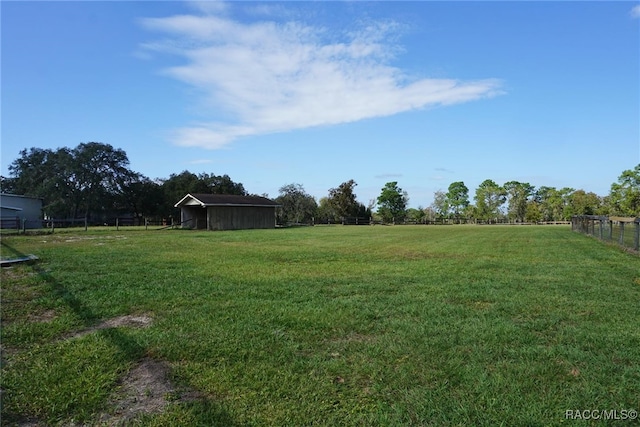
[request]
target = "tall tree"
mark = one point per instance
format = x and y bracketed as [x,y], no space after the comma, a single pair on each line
[325,211]
[343,200]
[624,197]
[418,215]
[178,185]
[518,194]
[489,199]
[222,184]
[583,203]
[296,205]
[392,202]
[74,182]
[458,198]
[533,212]
[143,198]
[45,173]
[553,203]
[440,204]
[99,173]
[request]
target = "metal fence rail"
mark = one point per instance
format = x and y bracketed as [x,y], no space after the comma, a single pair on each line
[621,230]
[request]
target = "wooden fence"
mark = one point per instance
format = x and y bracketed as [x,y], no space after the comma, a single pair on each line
[19,225]
[624,231]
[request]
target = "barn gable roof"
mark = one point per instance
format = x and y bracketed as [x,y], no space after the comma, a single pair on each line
[205,200]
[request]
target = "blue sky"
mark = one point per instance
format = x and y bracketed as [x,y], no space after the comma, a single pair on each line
[317,93]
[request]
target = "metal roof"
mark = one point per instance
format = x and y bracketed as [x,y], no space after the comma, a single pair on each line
[205,200]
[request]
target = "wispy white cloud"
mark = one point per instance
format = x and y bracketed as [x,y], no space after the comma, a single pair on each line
[209,6]
[200,162]
[444,170]
[388,175]
[277,77]
[635,11]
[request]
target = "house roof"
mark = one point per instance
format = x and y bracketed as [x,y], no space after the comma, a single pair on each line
[18,196]
[205,200]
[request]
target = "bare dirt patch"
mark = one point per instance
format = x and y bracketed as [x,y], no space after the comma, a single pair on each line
[140,321]
[146,389]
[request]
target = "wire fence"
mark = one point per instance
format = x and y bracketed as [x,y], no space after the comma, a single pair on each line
[621,230]
[22,225]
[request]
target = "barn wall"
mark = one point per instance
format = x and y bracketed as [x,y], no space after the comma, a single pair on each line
[14,207]
[240,217]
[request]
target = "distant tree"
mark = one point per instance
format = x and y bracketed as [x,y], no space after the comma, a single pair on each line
[583,203]
[325,211]
[624,198]
[44,173]
[440,204]
[417,215]
[553,203]
[296,205]
[7,185]
[343,200]
[99,173]
[458,198]
[471,213]
[392,202]
[518,194]
[489,198]
[84,181]
[222,184]
[143,198]
[606,206]
[533,212]
[178,185]
[430,214]
[565,198]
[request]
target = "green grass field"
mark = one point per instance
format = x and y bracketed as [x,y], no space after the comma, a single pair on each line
[391,326]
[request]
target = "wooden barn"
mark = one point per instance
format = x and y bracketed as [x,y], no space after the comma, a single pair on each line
[226,212]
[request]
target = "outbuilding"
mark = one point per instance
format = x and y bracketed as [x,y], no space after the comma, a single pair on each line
[226,212]
[20,211]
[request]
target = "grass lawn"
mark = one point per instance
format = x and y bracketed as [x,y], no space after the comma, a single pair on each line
[405,325]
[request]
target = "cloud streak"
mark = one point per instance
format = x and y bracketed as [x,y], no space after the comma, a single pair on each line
[272,77]
[635,11]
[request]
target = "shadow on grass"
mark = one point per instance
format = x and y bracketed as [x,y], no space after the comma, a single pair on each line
[203,411]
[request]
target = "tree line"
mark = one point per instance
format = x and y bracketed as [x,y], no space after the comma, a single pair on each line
[94,181]
[521,202]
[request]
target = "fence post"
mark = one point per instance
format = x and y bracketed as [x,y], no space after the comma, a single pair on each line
[146,223]
[601,231]
[85,224]
[610,230]
[24,226]
[636,237]
[117,224]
